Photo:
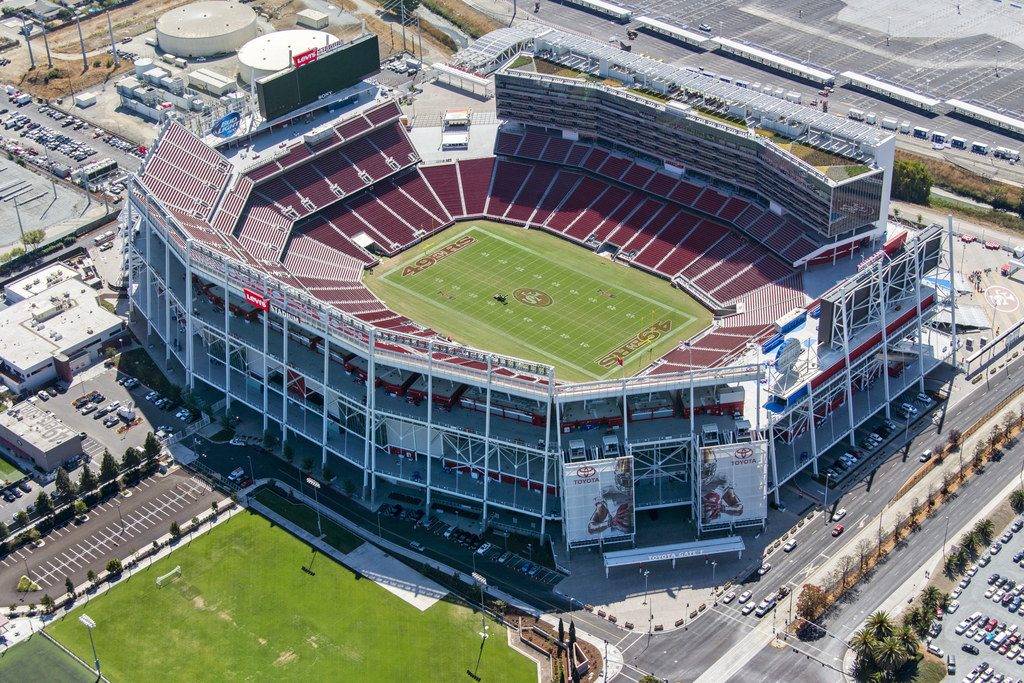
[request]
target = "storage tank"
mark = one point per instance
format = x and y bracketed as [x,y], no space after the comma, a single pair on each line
[205,29]
[273,52]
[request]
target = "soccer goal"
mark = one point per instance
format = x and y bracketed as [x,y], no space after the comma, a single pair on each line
[160,581]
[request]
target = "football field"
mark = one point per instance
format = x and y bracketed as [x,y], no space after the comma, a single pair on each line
[531,295]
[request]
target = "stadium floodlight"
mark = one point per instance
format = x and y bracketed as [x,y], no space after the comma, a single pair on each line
[316,487]
[90,624]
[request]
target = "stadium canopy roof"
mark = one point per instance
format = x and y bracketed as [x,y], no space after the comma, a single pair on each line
[889,90]
[588,54]
[987,115]
[675,551]
[494,48]
[780,62]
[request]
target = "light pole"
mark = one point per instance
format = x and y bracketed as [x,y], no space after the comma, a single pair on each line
[828,475]
[945,535]
[379,534]
[529,547]
[646,572]
[714,565]
[90,624]
[316,501]
[252,472]
[119,516]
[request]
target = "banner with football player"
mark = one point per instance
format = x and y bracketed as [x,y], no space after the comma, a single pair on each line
[733,483]
[597,499]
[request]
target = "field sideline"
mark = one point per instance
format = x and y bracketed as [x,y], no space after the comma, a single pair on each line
[243,609]
[563,305]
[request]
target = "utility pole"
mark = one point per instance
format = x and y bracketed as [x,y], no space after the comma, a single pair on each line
[81,41]
[28,35]
[113,45]
[46,43]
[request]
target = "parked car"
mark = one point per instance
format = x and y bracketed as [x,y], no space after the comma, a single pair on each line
[417,546]
[745,596]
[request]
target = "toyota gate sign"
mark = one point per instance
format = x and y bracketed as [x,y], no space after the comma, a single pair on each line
[733,483]
[597,497]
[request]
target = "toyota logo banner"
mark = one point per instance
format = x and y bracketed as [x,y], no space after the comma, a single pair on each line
[598,499]
[733,483]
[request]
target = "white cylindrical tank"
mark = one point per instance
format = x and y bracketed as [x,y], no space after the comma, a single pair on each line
[205,29]
[271,53]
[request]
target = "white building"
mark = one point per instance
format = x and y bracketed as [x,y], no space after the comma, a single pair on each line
[54,327]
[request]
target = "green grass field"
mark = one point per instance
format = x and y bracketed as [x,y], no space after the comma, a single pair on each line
[243,609]
[305,518]
[37,659]
[9,472]
[565,305]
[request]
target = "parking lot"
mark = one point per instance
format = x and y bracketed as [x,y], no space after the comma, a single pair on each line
[114,529]
[482,551]
[993,591]
[115,436]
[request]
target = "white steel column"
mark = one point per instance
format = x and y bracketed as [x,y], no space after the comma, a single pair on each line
[149,275]
[917,297]
[284,373]
[167,302]
[812,428]
[545,461]
[952,289]
[189,361]
[227,342]
[430,416]
[369,452]
[323,416]
[266,353]
[487,435]
[885,337]
[849,372]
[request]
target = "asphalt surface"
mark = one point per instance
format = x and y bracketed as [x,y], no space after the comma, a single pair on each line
[679,655]
[71,550]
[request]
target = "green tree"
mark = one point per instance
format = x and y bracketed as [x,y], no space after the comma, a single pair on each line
[649,679]
[175,530]
[985,528]
[114,566]
[911,181]
[4,532]
[1017,500]
[561,631]
[307,463]
[930,598]
[87,482]
[812,602]
[43,504]
[288,452]
[65,488]
[130,460]
[108,468]
[91,576]
[151,446]
[69,585]
[572,633]
[47,603]
[21,519]
[953,437]
[81,508]
[268,440]
[33,238]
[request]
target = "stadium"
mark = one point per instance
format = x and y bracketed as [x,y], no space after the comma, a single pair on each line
[693,313]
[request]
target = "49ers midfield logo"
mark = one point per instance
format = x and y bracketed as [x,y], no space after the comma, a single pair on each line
[532,297]
[444,252]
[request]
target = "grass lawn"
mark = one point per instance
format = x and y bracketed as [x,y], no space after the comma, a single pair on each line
[565,305]
[305,518]
[9,472]
[37,659]
[243,609]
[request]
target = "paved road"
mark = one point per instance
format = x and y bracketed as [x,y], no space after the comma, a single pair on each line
[681,655]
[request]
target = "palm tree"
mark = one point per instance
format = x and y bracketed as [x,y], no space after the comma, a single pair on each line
[880,625]
[908,638]
[863,643]
[889,654]
[971,541]
[1017,500]
[930,598]
[964,556]
[944,601]
[985,529]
